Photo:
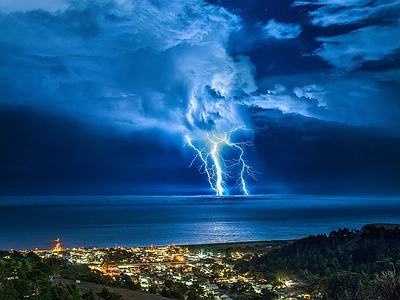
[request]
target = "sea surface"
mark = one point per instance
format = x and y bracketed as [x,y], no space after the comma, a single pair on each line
[35,222]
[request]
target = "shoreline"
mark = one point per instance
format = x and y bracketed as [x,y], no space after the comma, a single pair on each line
[259,245]
[267,244]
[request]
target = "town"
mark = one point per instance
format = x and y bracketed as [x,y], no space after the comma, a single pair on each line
[346,264]
[204,272]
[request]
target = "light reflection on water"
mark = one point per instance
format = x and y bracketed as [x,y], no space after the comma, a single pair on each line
[29,222]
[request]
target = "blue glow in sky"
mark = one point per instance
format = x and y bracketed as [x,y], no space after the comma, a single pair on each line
[95,95]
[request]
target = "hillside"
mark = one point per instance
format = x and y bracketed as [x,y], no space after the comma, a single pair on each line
[125,293]
[345,264]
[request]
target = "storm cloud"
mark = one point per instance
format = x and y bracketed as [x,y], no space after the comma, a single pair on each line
[105,89]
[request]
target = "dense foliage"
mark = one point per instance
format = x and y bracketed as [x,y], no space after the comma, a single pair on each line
[30,277]
[343,265]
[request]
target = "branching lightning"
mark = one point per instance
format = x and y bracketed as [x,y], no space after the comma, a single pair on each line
[213,150]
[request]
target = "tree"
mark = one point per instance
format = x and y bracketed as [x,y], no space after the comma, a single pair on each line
[73,291]
[108,295]
[387,285]
[153,288]
[89,295]
[61,292]
[345,285]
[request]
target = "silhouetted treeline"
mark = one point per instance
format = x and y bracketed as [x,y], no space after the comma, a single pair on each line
[343,265]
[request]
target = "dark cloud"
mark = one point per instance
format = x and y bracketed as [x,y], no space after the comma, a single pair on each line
[51,153]
[325,157]
[96,97]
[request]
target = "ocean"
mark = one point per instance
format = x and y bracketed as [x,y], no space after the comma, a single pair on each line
[109,221]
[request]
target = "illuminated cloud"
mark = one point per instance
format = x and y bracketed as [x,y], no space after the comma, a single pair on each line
[347,99]
[141,64]
[112,86]
[281,31]
[286,101]
[144,64]
[29,5]
[351,50]
[342,12]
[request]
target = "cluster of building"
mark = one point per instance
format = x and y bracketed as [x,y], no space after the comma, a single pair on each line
[210,273]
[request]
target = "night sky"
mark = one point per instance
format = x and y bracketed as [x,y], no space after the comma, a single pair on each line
[97,96]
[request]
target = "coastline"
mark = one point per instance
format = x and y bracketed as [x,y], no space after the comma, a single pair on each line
[250,245]
[246,245]
[107,221]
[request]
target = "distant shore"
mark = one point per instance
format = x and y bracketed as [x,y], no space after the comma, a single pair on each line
[105,222]
[253,245]
[247,245]
[261,245]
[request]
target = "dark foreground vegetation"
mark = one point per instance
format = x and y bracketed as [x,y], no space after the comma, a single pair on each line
[30,277]
[345,264]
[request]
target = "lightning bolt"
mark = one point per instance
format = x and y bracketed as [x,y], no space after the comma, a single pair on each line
[211,150]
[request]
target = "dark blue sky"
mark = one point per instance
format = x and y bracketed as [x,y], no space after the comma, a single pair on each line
[97,96]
